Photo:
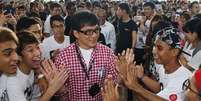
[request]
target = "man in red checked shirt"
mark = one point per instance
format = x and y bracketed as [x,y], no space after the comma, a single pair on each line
[89,62]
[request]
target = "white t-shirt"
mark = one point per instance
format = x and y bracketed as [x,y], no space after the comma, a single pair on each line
[21,87]
[50,44]
[188,49]
[86,54]
[171,84]
[195,61]
[3,88]
[47,27]
[108,30]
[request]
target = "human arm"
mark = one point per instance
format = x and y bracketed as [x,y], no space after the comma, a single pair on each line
[56,79]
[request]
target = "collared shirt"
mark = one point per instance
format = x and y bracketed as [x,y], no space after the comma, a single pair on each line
[77,85]
[108,30]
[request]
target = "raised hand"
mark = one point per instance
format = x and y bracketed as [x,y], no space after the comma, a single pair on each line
[124,60]
[56,78]
[110,91]
[132,80]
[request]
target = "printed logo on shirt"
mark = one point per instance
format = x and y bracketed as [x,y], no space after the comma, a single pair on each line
[126,29]
[29,92]
[4,96]
[161,85]
[173,97]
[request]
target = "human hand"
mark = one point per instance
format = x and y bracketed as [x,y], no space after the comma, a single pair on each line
[110,91]
[124,60]
[140,71]
[132,80]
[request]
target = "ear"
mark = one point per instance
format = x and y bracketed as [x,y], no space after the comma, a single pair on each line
[175,52]
[76,34]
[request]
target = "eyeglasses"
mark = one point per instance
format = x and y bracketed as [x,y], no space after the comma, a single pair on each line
[187,85]
[91,32]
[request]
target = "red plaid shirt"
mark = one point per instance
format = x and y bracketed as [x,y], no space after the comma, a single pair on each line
[77,85]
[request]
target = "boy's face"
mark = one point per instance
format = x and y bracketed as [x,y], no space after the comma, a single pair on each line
[36,30]
[8,57]
[162,52]
[58,28]
[148,11]
[31,55]
[56,11]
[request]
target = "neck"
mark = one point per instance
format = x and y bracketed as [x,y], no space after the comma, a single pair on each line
[24,68]
[172,66]
[59,39]
[83,46]
[196,43]
[125,18]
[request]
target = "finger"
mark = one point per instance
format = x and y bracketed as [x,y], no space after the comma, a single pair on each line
[51,64]
[123,53]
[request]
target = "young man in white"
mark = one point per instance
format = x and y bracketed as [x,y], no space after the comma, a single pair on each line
[107,29]
[172,75]
[51,45]
[8,59]
[55,9]
[22,86]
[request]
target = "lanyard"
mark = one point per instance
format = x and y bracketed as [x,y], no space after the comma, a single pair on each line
[83,65]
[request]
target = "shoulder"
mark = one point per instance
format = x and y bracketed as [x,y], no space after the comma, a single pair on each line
[104,50]
[68,51]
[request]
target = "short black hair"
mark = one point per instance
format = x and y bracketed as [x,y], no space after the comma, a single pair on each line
[69,5]
[150,4]
[82,18]
[25,38]
[191,5]
[22,7]
[54,5]
[25,22]
[125,6]
[198,30]
[189,26]
[186,16]
[56,18]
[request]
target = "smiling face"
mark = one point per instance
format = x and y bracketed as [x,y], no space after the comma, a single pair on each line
[88,36]
[31,55]
[162,52]
[8,57]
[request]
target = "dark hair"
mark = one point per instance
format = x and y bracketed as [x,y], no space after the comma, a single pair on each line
[96,4]
[198,30]
[25,38]
[21,7]
[186,16]
[69,5]
[56,18]
[197,16]
[189,26]
[25,22]
[7,35]
[125,6]
[82,18]
[161,25]
[191,5]
[54,5]
[33,4]
[150,4]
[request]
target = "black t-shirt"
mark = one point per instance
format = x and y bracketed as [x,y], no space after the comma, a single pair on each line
[68,25]
[124,39]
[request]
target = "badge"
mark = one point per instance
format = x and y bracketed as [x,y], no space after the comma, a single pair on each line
[94,89]
[101,72]
[173,97]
